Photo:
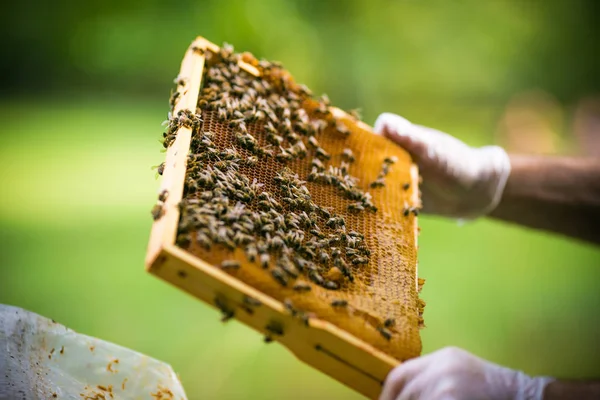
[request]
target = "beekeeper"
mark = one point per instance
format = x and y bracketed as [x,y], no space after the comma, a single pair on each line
[556,194]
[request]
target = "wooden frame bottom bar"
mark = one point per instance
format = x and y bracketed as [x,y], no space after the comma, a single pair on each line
[318,343]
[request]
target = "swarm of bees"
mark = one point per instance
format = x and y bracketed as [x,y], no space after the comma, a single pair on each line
[298,242]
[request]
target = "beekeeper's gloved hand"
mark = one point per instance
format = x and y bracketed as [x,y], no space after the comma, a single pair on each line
[453,373]
[458,180]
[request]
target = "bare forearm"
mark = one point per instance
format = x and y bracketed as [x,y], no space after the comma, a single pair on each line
[561,195]
[563,390]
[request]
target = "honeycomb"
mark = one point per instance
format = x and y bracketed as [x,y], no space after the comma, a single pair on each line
[301,202]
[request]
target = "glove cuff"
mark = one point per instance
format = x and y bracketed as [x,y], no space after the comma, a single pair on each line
[495,175]
[531,388]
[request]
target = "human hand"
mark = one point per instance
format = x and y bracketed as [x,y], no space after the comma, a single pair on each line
[452,373]
[458,180]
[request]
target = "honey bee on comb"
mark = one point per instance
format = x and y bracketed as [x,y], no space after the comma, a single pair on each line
[281,182]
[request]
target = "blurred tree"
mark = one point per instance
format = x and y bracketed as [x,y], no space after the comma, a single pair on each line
[468,49]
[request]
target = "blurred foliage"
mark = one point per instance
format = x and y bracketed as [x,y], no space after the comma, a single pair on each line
[84,90]
[468,48]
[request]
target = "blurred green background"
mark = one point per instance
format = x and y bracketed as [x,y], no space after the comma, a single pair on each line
[84,88]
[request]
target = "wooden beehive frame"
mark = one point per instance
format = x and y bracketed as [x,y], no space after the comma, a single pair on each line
[320,344]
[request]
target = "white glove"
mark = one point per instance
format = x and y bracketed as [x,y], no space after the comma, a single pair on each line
[452,373]
[458,180]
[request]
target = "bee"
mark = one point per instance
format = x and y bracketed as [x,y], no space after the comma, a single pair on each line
[356,235]
[316,277]
[387,335]
[182,274]
[334,222]
[160,168]
[270,128]
[323,105]
[355,113]
[390,322]
[385,169]
[286,265]
[268,339]
[230,264]
[302,264]
[174,98]
[409,210]
[241,125]
[339,303]
[251,301]
[222,114]
[284,156]
[313,176]
[406,186]
[226,312]
[198,50]
[331,285]
[317,233]
[240,238]
[251,161]
[280,276]
[348,274]
[343,129]
[299,148]
[251,252]
[333,240]
[274,139]
[370,206]
[203,240]
[335,252]
[267,228]
[275,243]
[162,196]
[302,287]
[379,182]
[226,51]
[356,207]
[317,164]
[307,252]
[253,114]
[302,126]
[344,167]
[274,328]
[305,318]
[183,240]
[324,212]
[340,263]
[286,126]
[351,252]
[287,303]
[223,165]
[157,211]
[391,160]
[322,154]
[318,125]
[246,141]
[264,205]
[303,90]
[237,114]
[264,260]
[324,257]
[266,151]
[360,260]
[313,142]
